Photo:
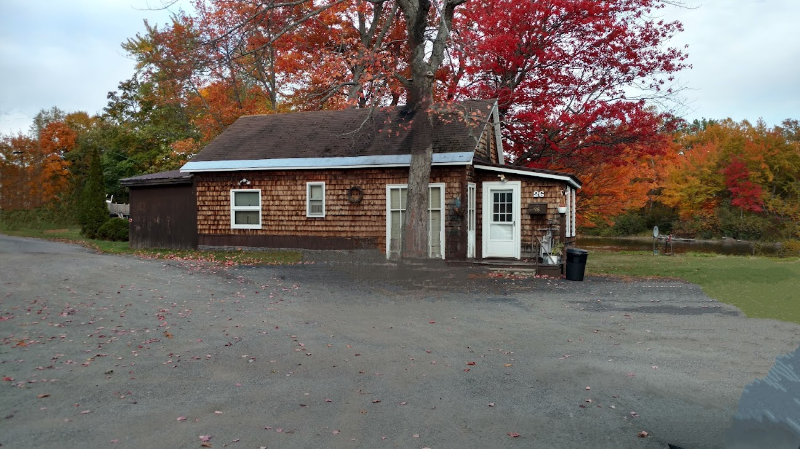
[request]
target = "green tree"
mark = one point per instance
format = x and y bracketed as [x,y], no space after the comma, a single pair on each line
[93,210]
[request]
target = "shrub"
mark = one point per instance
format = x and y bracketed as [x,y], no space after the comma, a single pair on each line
[659,215]
[115,229]
[743,226]
[791,247]
[630,223]
[51,216]
[701,227]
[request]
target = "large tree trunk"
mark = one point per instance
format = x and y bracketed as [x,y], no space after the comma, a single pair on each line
[420,101]
[420,104]
[415,231]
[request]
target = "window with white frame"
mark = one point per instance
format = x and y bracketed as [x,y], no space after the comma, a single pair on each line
[315,199]
[246,209]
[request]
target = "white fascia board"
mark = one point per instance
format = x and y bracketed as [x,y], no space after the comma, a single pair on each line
[566,179]
[501,159]
[401,160]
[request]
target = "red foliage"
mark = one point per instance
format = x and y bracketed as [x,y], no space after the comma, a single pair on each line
[572,76]
[744,193]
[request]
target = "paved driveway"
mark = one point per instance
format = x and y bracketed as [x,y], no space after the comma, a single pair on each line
[108,351]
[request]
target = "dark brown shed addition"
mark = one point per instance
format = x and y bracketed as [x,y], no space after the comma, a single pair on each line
[338,179]
[163,210]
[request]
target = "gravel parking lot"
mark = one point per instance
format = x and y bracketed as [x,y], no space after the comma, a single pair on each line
[110,351]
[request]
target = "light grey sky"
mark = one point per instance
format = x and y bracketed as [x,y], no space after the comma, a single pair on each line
[65,54]
[745,56]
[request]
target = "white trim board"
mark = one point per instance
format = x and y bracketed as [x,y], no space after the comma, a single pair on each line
[565,178]
[310,163]
[486,219]
[498,139]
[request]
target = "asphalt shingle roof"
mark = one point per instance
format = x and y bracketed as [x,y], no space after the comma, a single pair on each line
[345,133]
[164,177]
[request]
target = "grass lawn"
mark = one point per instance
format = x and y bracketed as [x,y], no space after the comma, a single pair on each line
[223,257]
[761,287]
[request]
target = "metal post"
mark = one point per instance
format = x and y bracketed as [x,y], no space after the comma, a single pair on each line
[655,236]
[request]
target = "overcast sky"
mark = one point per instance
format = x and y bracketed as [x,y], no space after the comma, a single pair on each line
[745,56]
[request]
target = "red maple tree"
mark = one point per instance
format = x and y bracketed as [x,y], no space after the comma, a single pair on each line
[574,78]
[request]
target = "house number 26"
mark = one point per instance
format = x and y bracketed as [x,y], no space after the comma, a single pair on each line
[538,194]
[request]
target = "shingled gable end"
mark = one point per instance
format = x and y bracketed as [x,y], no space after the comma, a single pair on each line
[337,180]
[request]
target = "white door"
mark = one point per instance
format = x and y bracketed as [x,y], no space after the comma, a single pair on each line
[471,220]
[396,197]
[501,219]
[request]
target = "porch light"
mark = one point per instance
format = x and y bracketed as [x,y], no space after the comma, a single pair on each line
[502,177]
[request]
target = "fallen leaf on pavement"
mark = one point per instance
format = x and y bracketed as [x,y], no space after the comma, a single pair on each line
[642,434]
[513,434]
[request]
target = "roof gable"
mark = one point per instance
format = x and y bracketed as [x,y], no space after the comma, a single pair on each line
[382,133]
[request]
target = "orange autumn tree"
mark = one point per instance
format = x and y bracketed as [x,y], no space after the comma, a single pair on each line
[51,179]
[349,56]
[613,187]
[15,171]
[730,178]
[36,168]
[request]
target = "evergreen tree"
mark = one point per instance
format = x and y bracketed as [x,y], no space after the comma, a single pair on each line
[93,210]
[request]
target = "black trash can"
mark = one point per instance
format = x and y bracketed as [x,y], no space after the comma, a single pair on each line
[576,263]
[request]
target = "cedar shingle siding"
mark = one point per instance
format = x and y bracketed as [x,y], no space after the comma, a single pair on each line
[283,197]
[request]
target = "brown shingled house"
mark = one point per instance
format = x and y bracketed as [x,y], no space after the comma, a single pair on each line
[337,180]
